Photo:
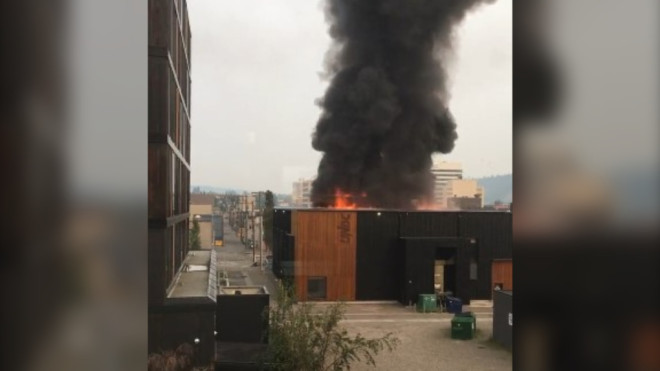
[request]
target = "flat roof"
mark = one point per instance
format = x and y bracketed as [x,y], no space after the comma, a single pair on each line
[196,282]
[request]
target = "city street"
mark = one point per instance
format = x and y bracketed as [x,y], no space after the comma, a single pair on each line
[235,264]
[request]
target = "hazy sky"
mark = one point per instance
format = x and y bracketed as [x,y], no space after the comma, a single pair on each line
[255,77]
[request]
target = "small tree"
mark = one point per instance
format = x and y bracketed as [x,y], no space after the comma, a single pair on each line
[304,339]
[194,240]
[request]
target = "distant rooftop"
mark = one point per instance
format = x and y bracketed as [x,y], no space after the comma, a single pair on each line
[444,165]
[202,199]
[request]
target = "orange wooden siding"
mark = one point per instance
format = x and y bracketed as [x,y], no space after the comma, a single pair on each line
[325,244]
[502,272]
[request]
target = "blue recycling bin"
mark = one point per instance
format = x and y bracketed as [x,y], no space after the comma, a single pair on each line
[454,305]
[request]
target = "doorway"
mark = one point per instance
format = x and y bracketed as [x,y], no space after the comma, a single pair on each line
[445,270]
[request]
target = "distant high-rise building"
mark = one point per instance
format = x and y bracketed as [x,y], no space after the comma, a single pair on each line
[443,172]
[301,195]
[462,194]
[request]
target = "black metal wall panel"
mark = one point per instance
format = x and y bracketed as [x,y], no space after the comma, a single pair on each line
[282,248]
[428,224]
[465,288]
[378,264]
[493,228]
[282,219]
[492,236]
[288,256]
[242,318]
[282,253]
[277,248]
[503,318]
[172,326]
[419,269]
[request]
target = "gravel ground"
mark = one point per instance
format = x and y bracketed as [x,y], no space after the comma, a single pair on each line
[428,346]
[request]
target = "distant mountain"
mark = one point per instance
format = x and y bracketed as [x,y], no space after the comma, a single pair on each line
[497,188]
[205,188]
[213,189]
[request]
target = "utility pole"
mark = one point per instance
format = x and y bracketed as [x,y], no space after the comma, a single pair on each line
[254,250]
[261,250]
[245,218]
[261,218]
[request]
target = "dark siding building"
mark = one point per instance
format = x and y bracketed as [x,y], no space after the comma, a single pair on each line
[397,253]
[376,270]
[169,142]
[503,318]
[175,317]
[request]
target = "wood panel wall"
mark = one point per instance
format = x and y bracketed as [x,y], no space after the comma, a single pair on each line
[502,272]
[325,246]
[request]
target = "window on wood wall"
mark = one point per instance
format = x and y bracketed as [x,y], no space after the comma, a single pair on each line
[173,186]
[473,269]
[316,288]
[172,105]
[167,274]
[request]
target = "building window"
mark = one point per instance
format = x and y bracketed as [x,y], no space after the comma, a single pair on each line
[473,269]
[316,288]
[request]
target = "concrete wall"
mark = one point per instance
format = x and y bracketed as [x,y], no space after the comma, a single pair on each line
[206,234]
[205,227]
[460,188]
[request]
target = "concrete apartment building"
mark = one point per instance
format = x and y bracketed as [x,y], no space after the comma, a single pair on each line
[301,195]
[462,194]
[464,203]
[443,172]
[201,209]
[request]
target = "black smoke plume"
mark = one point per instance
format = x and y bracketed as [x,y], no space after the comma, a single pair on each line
[385,112]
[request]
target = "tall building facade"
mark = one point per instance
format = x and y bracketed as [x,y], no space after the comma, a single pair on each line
[302,191]
[169,142]
[181,302]
[443,172]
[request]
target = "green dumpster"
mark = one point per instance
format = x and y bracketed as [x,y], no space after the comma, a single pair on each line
[427,303]
[468,315]
[463,327]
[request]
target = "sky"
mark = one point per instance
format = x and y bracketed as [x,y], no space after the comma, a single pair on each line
[256,73]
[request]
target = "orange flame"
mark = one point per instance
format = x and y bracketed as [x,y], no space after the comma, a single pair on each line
[427,205]
[343,200]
